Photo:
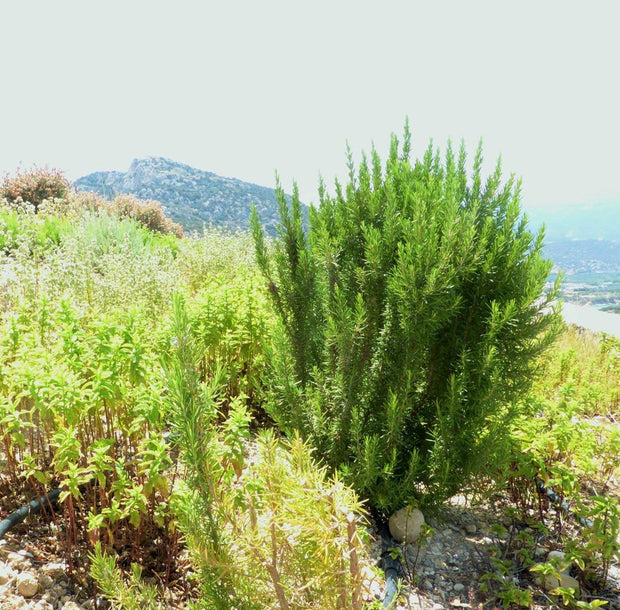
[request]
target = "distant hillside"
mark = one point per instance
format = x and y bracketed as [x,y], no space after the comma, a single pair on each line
[583,241]
[581,238]
[597,221]
[190,196]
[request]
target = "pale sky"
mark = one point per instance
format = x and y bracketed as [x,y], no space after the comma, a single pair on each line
[245,88]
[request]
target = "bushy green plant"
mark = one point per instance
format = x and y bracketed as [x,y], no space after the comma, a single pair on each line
[78,398]
[124,594]
[82,321]
[264,525]
[33,233]
[412,313]
[564,462]
[215,255]
[35,186]
[582,369]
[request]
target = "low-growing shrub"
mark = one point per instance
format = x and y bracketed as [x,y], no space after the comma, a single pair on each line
[149,213]
[35,186]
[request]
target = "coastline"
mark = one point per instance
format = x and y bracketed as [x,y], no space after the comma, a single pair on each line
[591,318]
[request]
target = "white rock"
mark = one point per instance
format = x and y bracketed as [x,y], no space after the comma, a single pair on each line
[27,584]
[5,574]
[556,557]
[17,561]
[12,602]
[72,606]
[54,570]
[405,524]
[550,582]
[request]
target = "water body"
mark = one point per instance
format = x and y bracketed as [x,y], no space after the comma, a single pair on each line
[592,319]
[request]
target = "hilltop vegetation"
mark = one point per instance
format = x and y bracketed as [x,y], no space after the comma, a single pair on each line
[160,383]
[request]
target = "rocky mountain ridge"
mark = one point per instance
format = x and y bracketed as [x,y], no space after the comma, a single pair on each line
[190,196]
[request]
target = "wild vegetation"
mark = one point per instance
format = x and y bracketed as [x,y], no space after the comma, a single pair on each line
[231,421]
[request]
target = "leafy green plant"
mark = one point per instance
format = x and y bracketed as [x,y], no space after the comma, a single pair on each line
[411,313]
[79,411]
[264,525]
[122,593]
[565,449]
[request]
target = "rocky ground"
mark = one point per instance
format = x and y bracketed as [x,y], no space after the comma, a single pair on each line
[447,569]
[31,580]
[452,566]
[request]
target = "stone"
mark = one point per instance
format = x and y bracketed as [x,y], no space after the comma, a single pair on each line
[540,552]
[54,570]
[471,528]
[556,557]
[559,561]
[46,581]
[27,584]
[5,574]
[405,524]
[459,586]
[17,561]
[72,606]
[550,582]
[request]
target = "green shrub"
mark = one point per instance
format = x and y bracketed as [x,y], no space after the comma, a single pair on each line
[9,229]
[35,186]
[411,314]
[265,527]
[148,213]
[31,232]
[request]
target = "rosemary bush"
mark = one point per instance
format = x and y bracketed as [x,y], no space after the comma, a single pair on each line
[411,314]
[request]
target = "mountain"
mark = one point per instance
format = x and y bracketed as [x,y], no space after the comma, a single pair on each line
[583,241]
[581,238]
[190,196]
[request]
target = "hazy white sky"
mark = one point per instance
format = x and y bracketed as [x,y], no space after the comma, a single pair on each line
[244,88]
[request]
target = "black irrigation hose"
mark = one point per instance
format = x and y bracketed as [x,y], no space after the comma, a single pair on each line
[390,565]
[32,508]
[557,500]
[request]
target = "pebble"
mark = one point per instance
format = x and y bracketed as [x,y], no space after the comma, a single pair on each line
[5,574]
[567,582]
[54,570]
[27,584]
